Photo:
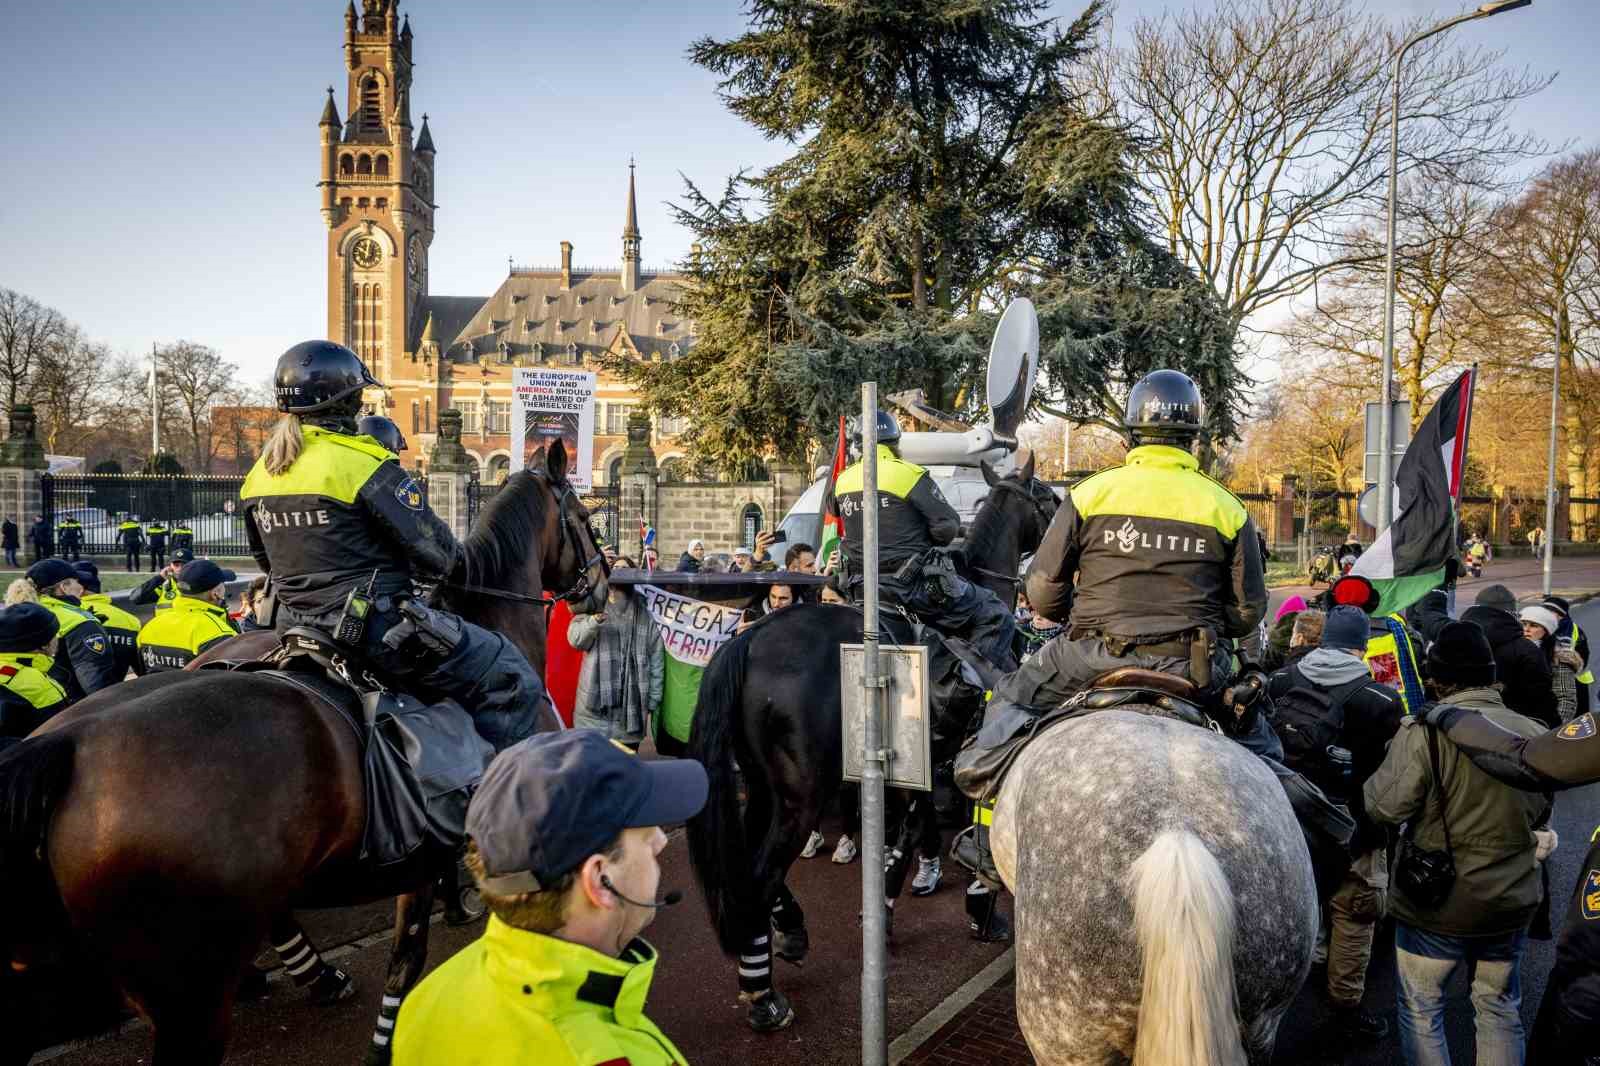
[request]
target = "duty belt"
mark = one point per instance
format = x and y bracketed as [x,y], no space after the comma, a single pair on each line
[1120,646]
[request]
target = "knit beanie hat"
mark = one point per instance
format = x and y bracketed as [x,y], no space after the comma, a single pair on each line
[1346,629]
[26,627]
[1497,596]
[1540,615]
[1461,655]
[1292,605]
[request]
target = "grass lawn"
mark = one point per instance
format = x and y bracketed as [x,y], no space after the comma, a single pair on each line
[1280,572]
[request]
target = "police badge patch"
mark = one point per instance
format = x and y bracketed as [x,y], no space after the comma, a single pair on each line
[409,493]
[95,644]
[1580,728]
[1589,903]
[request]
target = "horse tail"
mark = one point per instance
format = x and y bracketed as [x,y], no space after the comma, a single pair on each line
[718,850]
[34,776]
[1183,914]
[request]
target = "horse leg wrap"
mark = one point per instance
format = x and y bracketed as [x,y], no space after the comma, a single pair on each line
[302,961]
[790,941]
[388,1010]
[755,967]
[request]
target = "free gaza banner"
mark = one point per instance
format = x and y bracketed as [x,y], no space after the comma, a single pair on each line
[692,631]
[551,405]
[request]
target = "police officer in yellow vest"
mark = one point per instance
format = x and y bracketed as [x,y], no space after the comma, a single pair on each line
[28,694]
[69,537]
[131,537]
[564,834]
[198,618]
[85,662]
[384,431]
[913,519]
[162,588]
[1153,563]
[341,529]
[121,627]
[182,539]
[158,545]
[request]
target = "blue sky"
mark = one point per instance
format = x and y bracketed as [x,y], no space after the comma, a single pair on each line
[160,158]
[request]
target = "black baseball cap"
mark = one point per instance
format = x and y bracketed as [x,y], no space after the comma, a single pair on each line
[202,575]
[182,555]
[551,801]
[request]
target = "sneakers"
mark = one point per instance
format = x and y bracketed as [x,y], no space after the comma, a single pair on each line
[845,852]
[813,843]
[770,1013]
[927,878]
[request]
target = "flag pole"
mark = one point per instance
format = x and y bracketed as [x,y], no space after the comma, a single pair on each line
[155,410]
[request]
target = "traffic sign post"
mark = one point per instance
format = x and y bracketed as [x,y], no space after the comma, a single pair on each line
[874,924]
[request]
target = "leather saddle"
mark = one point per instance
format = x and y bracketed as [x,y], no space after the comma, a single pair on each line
[1168,694]
[420,762]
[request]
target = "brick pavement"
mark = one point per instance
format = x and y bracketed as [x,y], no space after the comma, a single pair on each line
[984,1033]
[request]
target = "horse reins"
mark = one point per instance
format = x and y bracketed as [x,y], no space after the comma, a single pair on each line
[1026,492]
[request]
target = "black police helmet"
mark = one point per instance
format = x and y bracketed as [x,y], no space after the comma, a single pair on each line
[1164,407]
[888,429]
[384,431]
[319,376]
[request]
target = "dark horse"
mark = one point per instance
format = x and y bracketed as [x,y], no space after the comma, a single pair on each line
[777,715]
[165,825]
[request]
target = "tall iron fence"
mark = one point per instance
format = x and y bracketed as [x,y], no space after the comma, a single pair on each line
[603,503]
[101,502]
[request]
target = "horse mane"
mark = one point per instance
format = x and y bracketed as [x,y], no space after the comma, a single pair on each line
[509,527]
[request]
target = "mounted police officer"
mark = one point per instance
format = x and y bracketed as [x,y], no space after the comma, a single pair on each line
[914,520]
[384,431]
[85,662]
[28,693]
[1154,564]
[342,529]
[121,627]
[197,619]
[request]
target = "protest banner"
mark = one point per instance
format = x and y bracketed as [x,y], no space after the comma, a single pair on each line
[552,405]
[691,631]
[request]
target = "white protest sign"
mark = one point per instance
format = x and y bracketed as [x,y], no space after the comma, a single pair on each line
[553,405]
[692,630]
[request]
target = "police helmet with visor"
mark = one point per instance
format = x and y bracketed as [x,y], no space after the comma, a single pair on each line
[888,429]
[1164,407]
[317,377]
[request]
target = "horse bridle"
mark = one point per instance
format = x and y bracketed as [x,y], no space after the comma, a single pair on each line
[1044,517]
[582,587]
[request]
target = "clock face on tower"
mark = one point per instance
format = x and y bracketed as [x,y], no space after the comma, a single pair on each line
[367,253]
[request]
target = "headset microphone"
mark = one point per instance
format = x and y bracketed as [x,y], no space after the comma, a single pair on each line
[668,900]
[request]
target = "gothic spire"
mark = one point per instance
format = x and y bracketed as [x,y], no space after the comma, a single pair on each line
[425,139]
[330,112]
[630,224]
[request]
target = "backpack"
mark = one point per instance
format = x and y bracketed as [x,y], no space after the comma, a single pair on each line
[1309,720]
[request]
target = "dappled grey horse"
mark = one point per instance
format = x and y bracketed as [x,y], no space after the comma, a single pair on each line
[1165,907]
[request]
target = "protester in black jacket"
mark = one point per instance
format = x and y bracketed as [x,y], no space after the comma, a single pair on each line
[42,539]
[1520,664]
[9,541]
[689,562]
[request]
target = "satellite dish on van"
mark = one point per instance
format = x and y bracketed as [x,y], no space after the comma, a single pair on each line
[1013,365]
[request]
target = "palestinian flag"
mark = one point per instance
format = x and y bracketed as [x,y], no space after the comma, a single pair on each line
[832,524]
[1408,558]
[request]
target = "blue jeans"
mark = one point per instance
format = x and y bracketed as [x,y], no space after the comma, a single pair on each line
[1426,962]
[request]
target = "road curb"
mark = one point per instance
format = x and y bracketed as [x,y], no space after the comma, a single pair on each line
[906,1044]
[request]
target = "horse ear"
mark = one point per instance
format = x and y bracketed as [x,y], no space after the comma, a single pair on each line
[988,473]
[1025,474]
[555,461]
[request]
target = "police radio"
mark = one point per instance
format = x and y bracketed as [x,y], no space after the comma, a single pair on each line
[353,622]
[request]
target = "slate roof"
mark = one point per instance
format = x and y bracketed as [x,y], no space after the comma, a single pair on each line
[531,309]
[450,315]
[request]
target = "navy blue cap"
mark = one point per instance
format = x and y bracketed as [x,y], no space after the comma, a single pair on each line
[1346,628]
[26,627]
[88,574]
[182,555]
[48,572]
[202,575]
[551,801]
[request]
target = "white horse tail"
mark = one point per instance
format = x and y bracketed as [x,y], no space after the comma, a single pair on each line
[1184,917]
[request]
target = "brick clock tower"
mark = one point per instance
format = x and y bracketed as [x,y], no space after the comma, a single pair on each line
[377,192]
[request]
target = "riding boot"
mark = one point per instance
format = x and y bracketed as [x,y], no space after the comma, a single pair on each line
[987,924]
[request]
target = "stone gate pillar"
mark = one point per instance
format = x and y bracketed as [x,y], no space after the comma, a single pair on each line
[22,464]
[450,468]
[639,486]
[1282,531]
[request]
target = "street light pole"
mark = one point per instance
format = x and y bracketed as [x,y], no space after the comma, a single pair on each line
[1385,416]
[1550,474]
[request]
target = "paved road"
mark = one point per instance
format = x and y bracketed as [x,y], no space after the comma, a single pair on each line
[695,993]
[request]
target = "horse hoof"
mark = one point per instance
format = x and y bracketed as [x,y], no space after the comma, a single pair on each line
[376,1056]
[770,1013]
[468,908]
[334,986]
[791,947]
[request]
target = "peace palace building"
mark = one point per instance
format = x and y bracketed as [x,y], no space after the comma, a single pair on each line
[435,352]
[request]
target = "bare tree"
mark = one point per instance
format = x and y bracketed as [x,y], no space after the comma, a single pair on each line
[1266,131]
[197,377]
[69,388]
[27,329]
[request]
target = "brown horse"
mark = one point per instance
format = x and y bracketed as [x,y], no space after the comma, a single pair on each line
[166,825]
